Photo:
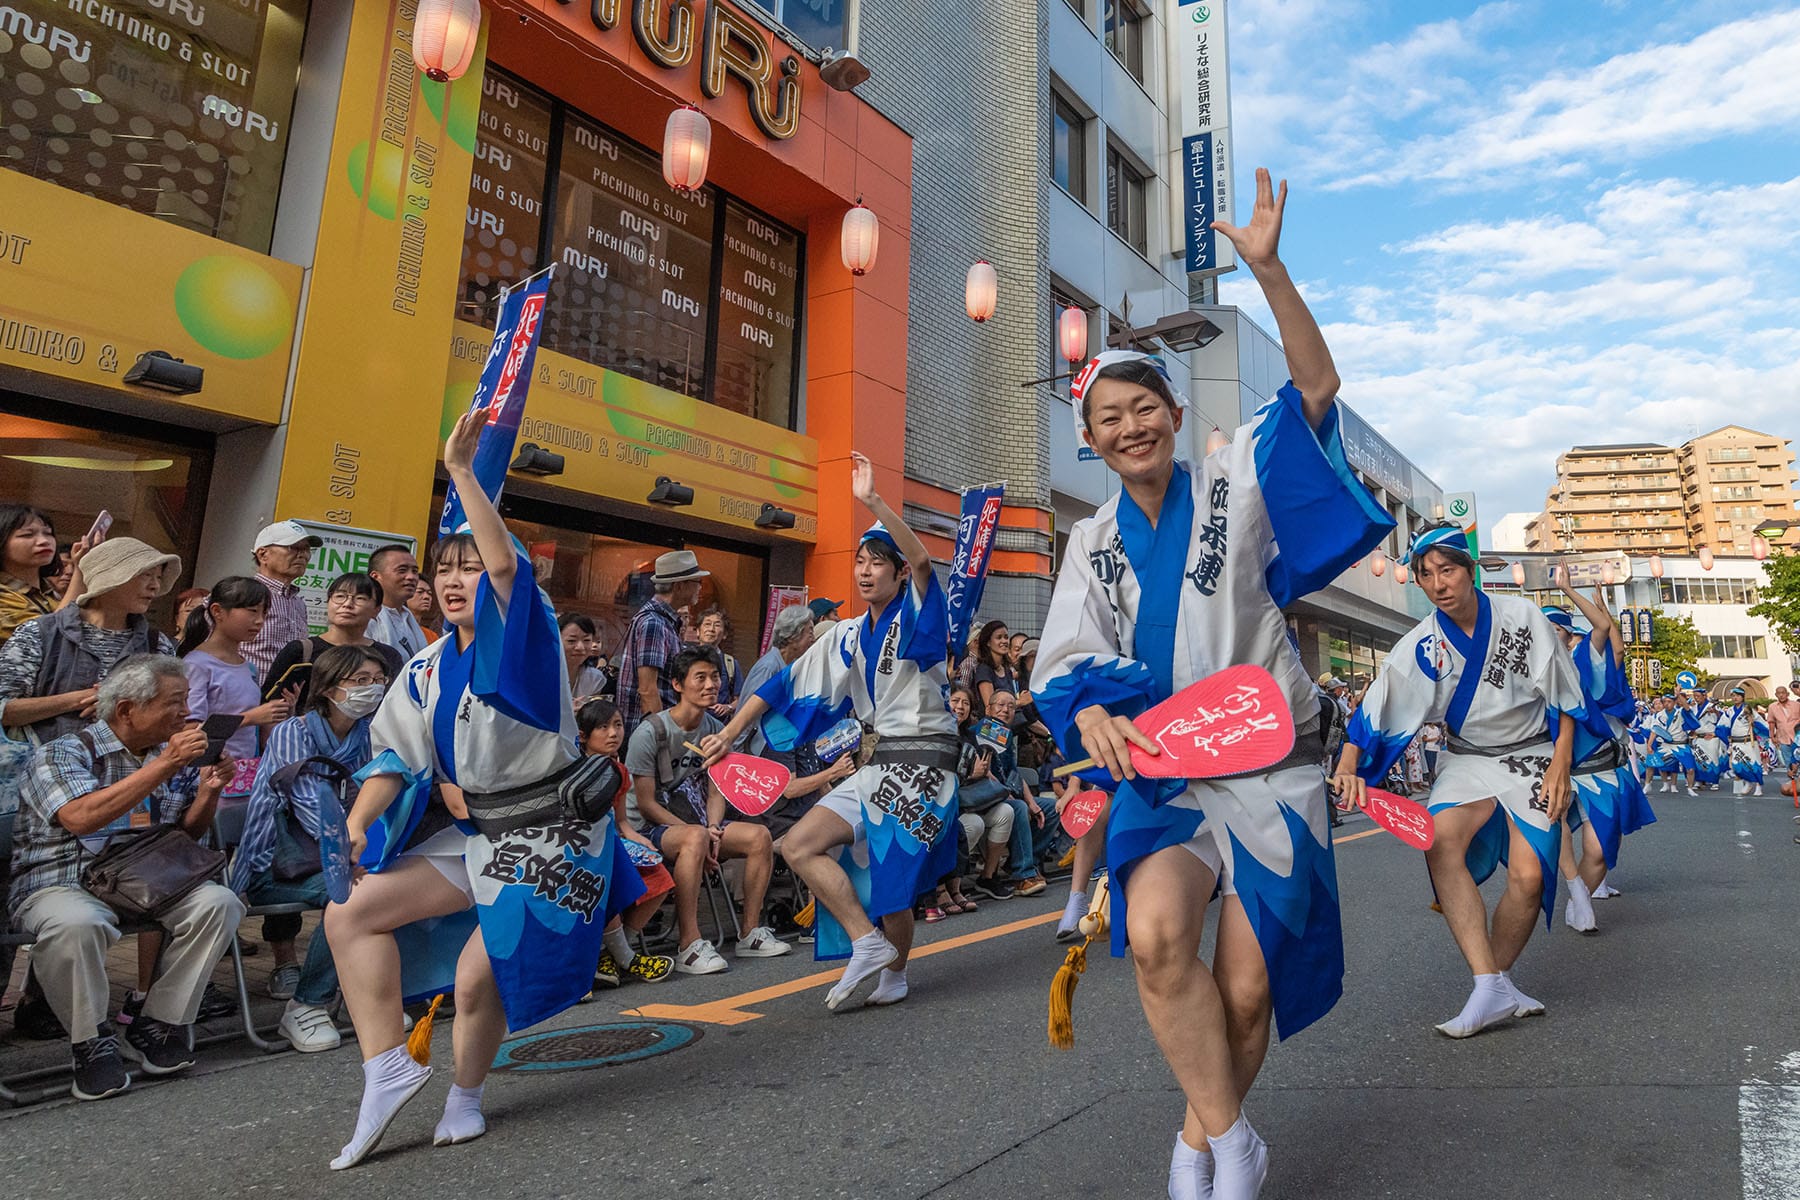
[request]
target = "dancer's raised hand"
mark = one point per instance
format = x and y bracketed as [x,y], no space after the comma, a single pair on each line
[1260,240]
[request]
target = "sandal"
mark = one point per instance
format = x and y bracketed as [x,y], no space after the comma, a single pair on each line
[933,914]
[968,905]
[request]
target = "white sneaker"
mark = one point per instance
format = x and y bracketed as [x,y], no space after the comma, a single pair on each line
[308,1028]
[761,942]
[699,958]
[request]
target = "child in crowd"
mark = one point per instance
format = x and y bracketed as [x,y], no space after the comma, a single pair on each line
[603,733]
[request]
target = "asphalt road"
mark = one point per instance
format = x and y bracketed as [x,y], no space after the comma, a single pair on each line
[1668,1066]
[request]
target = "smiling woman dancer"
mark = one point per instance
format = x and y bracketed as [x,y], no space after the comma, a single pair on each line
[1180,575]
[484,714]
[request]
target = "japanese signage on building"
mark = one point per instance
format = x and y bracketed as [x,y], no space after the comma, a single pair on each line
[1202,136]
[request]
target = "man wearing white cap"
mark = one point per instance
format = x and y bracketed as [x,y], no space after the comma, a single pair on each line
[283,551]
[654,637]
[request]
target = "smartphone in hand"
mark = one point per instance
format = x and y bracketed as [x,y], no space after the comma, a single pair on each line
[102,526]
[218,728]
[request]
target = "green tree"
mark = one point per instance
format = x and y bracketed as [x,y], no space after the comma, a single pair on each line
[1678,645]
[1780,602]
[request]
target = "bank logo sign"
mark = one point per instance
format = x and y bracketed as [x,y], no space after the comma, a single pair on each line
[1202,155]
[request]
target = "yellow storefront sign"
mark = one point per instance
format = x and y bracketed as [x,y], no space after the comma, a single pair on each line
[362,437]
[86,286]
[618,435]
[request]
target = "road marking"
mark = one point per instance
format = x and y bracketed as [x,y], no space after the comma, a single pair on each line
[1769,1132]
[734,1010]
[731,1010]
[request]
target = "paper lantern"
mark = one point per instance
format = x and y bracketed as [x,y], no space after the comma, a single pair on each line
[687,144]
[1607,574]
[1706,558]
[1401,574]
[1759,548]
[444,37]
[1378,564]
[1656,566]
[979,290]
[1518,574]
[1071,334]
[862,236]
[1216,441]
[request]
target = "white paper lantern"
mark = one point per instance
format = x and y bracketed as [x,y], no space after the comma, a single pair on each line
[1518,574]
[1656,566]
[980,290]
[1401,574]
[1071,334]
[687,145]
[444,37]
[1759,547]
[1607,574]
[1216,441]
[861,238]
[1706,558]
[1378,564]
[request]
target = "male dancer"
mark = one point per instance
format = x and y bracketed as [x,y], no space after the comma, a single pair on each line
[1491,668]
[893,821]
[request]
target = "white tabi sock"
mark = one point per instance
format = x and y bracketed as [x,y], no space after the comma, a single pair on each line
[1490,1003]
[1578,914]
[1073,911]
[390,1079]
[1240,1162]
[868,954]
[1190,1172]
[1523,1006]
[462,1121]
[1606,891]
[619,946]
[891,990]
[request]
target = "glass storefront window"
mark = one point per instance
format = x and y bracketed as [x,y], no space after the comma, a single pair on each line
[698,294]
[180,112]
[154,489]
[607,575]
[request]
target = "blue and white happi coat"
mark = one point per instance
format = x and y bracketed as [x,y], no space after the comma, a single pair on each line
[889,670]
[1611,797]
[1669,732]
[1141,611]
[490,718]
[1706,741]
[1744,731]
[1497,691]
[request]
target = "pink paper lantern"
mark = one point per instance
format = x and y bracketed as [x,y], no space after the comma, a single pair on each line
[1401,574]
[980,290]
[861,238]
[1656,566]
[687,144]
[1759,548]
[1706,558]
[1378,564]
[444,37]
[1518,574]
[1216,441]
[1071,334]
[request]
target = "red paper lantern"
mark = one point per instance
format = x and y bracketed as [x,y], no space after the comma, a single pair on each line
[1759,549]
[687,144]
[444,37]
[1071,334]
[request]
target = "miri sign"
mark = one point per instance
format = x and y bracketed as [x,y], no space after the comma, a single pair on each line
[731,46]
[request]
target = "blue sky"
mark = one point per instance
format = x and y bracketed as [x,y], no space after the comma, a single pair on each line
[1526,225]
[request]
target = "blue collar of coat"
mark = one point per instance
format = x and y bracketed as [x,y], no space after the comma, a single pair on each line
[1158,557]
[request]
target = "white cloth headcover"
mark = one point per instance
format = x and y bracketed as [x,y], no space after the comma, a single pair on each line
[1109,358]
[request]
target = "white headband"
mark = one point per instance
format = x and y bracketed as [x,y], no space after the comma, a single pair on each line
[1112,358]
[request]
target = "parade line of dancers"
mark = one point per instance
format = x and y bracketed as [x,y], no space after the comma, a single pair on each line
[478,793]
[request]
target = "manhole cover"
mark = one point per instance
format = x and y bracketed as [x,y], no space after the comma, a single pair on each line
[587,1046]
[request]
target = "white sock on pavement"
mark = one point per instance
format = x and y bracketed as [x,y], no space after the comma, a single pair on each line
[1073,911]
[619,946]
[1524,1006]
[868,955]
[1606,891]
[1190,1172]
[462,1120]
[1578,914]
[1490,1003]
[891,990]
[1240,1162]
[390,1079]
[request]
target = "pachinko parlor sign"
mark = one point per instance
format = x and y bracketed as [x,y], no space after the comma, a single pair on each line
[729,45]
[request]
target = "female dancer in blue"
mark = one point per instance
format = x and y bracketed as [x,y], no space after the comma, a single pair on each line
[1608,800]
[1180,575]
[1744,731]
[477,798]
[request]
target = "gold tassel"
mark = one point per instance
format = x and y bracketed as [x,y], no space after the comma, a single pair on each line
[1062,996]
[1096,923]
[804,918]
[418,1042]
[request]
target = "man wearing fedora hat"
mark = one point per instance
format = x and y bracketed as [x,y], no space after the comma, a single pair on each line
[51,669]
[654,637]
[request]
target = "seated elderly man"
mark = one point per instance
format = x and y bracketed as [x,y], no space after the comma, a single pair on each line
[80,789]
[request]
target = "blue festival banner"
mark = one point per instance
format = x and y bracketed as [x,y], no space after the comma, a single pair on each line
[969,565]
[505,380]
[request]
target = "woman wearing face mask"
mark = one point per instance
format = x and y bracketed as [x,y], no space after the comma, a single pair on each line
[1184,572]
[348,683]
[351,602]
